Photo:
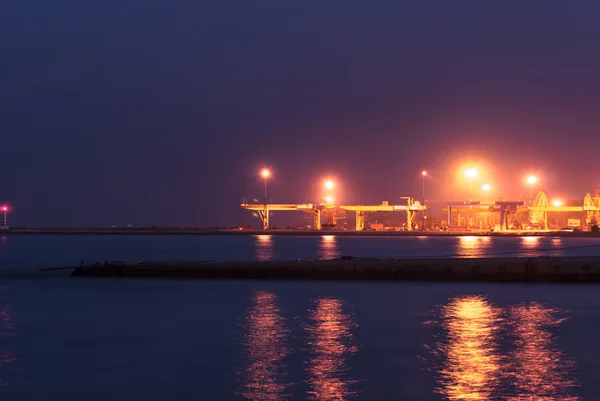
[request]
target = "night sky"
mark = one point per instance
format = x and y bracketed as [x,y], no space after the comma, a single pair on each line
[149,112]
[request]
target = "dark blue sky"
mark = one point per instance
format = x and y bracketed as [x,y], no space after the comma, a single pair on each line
[149,112]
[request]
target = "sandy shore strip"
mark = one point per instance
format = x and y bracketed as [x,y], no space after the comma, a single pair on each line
[526,270]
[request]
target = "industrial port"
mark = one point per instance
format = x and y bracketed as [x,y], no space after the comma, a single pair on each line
[538,214]
[534,214]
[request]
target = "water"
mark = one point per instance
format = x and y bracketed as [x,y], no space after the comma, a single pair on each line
[30,251]
[73,339]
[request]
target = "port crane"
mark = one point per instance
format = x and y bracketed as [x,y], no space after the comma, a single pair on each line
[536,212]
[411,208]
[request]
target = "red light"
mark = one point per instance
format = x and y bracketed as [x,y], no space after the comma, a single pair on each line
[4,208]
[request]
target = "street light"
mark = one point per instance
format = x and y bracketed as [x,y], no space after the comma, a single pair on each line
[485,188]
[4,210]
[531,180]
[329,200]
[329,184]
[423,175]
[265,174]
[471,174]
[557,203]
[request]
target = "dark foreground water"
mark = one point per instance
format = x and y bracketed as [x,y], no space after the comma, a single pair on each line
[85,339]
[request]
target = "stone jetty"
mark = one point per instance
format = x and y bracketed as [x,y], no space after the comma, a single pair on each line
[527,270]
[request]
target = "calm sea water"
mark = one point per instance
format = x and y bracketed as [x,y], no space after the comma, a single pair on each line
[86,339]
[32,251]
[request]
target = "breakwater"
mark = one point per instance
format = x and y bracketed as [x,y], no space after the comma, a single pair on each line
[530,270]
[285,232]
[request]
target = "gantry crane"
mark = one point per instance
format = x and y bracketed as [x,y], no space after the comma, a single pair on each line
[540,208]
[362,211]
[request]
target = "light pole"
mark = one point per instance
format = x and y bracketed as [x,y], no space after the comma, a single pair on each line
[328,200]
[4,210]
[265,174]
[555,203]
[531,180]
[423,175]
[485,188]
[471,174]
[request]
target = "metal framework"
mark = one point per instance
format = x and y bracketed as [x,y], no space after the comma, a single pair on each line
[504,208]
[540,208]
[537,211]
[411,208]
[591,205]
[362,211]
[263,211]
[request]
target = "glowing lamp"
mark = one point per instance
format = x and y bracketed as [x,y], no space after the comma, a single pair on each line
[265,173]
[486,187]
[329,184]
[557,203]
[423,172]
[531,179]
[470,173]
[329,199]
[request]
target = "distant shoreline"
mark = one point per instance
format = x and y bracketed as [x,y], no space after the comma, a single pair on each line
[232,232]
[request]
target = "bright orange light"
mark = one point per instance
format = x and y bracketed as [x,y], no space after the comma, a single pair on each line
[329,184]
[473,357]
[557,203]
[264,341]
[265,173]
[329,199]
[470,173]
[331,337]
[532,179]
[423,172]
[486,187]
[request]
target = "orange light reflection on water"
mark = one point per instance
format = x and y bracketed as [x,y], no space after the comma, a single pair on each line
[263,247]
[472,246]
[540,370]
[472,368]
[528,366]
[530,242]
[328,247]
[330,345]
[265,344]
